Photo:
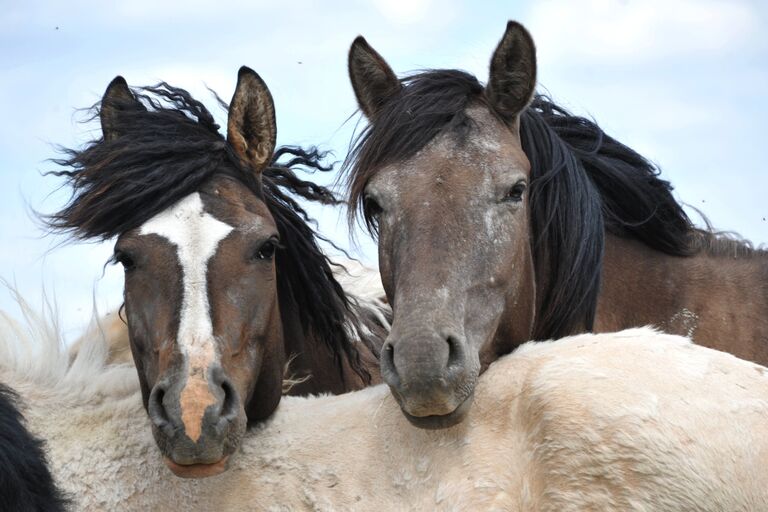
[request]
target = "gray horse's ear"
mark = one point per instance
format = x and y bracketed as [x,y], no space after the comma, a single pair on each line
[251,127]
[117,98]
[512,80]
[373,80]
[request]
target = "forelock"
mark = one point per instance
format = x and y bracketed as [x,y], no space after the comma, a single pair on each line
[429,103]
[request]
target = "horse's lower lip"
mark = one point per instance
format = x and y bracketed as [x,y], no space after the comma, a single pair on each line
[196,470]
[435,422]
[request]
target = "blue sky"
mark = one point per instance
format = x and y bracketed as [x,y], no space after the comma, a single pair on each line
[683,82]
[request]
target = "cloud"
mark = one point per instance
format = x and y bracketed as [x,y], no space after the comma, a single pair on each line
[615,30]
[404,11]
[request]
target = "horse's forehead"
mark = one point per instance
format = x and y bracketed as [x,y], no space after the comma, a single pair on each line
[236,205]
[476,161]
[489,146]
[187,225]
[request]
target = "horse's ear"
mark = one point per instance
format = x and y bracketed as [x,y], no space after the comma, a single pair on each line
[373,80]
[251,128]
[512,80]
[117,98]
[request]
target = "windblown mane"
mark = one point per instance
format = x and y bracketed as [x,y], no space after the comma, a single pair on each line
[166,152]
[583,183]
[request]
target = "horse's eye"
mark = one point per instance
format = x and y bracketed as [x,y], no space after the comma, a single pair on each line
[125,259]
[515,194]
[267,250]
[371,208]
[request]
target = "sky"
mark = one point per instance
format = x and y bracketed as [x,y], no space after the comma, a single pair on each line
[682,82]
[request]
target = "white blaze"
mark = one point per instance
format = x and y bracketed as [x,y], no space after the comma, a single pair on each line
[196,235]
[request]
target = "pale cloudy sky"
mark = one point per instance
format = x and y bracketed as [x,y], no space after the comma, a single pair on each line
[683,82]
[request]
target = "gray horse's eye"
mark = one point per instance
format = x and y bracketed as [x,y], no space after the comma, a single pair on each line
[371,208]
[515,194]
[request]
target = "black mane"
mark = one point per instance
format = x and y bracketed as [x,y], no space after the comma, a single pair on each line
[167,152]
[26,482]
[583,183]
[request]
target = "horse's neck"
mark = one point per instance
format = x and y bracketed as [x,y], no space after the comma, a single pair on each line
[524,445]
[314,367]
[721,302]
[327,443]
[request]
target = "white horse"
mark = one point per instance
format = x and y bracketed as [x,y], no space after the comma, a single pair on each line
[635,420]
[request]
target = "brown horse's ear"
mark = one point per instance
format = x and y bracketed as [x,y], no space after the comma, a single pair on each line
[117,98]
[373,80]
[251,128]
[512,80]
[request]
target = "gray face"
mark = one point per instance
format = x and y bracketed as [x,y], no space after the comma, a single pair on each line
[455,260]
[454,248]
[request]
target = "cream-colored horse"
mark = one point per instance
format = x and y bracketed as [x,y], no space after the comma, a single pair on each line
[629,421]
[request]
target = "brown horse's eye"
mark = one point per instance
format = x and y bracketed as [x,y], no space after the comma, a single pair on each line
[125,259]
[267,250]
[515,194]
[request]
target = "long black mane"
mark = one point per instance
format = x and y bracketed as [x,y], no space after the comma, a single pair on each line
[583,183]
[166,151]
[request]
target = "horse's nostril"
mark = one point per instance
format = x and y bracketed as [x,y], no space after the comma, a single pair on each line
[229,408]
[388,366]
[155,407]
[455,351]
[389,355]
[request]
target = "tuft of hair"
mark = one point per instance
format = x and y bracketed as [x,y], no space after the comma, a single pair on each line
[166,151]
[33,362]
[724,244]
[583,183]
[32,353]
[289,378]
[26,483]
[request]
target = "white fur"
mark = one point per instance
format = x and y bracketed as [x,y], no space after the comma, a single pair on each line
[363,287]
[608,422]
[196,235]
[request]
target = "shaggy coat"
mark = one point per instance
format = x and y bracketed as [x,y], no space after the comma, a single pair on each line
[634,420]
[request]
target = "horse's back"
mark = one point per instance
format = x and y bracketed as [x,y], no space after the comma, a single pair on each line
[718,297]
[637,420]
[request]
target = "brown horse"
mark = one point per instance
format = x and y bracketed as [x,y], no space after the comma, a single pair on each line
[224,278]
[501,217]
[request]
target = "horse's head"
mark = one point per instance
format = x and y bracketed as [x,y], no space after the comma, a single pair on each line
[442,178]
[201,297]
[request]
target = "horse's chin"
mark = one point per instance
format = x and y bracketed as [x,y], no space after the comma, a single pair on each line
[197,470]
[440,421]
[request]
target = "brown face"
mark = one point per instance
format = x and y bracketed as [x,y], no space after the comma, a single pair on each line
[201,298]
[454,248]
[203,317]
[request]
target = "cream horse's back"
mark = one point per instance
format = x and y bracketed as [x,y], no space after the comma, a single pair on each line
[111,327]
[628,421]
